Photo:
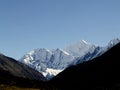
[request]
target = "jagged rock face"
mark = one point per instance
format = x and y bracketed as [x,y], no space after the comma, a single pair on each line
[52,62]
[47,61]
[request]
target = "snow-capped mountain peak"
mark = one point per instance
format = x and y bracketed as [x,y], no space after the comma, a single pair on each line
[60,50]
[42,55]
[78,49]
[55,60]
[52,62]
[114,42]
[83,41]
[47,61]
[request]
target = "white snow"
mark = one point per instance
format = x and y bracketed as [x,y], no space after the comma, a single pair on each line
[113,42]
[52,62]
[79,49]
[48,62]
[84,41]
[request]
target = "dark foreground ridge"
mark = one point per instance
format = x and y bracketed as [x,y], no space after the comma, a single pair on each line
[14,73]
[101,73]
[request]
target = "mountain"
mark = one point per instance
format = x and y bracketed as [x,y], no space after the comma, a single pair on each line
[80,48]
[83,51]
[100,73]
[92,51]
[11,67]
[52,62]
[49,63]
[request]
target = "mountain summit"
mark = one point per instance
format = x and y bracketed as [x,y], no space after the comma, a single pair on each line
[100,73]
[52,62]
[80,48]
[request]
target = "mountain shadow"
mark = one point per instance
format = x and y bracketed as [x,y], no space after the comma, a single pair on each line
[101,73]
[14,73]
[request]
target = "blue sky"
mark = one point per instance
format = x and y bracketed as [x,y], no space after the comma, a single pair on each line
[29,24]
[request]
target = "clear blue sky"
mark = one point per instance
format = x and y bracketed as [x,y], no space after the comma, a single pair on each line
[29,24]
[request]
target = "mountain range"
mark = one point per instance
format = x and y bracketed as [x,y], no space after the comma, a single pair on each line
[98,69]
[100,73]
[52,62]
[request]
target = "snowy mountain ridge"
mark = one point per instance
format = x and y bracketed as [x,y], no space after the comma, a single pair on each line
[52,62]
[80,48]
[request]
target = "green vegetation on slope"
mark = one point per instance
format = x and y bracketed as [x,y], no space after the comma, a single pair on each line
[7,87]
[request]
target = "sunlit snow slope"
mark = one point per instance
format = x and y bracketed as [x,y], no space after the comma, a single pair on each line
[52,62]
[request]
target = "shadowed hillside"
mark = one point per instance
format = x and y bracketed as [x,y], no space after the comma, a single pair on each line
[14,73]
[18,69]
[101,73]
